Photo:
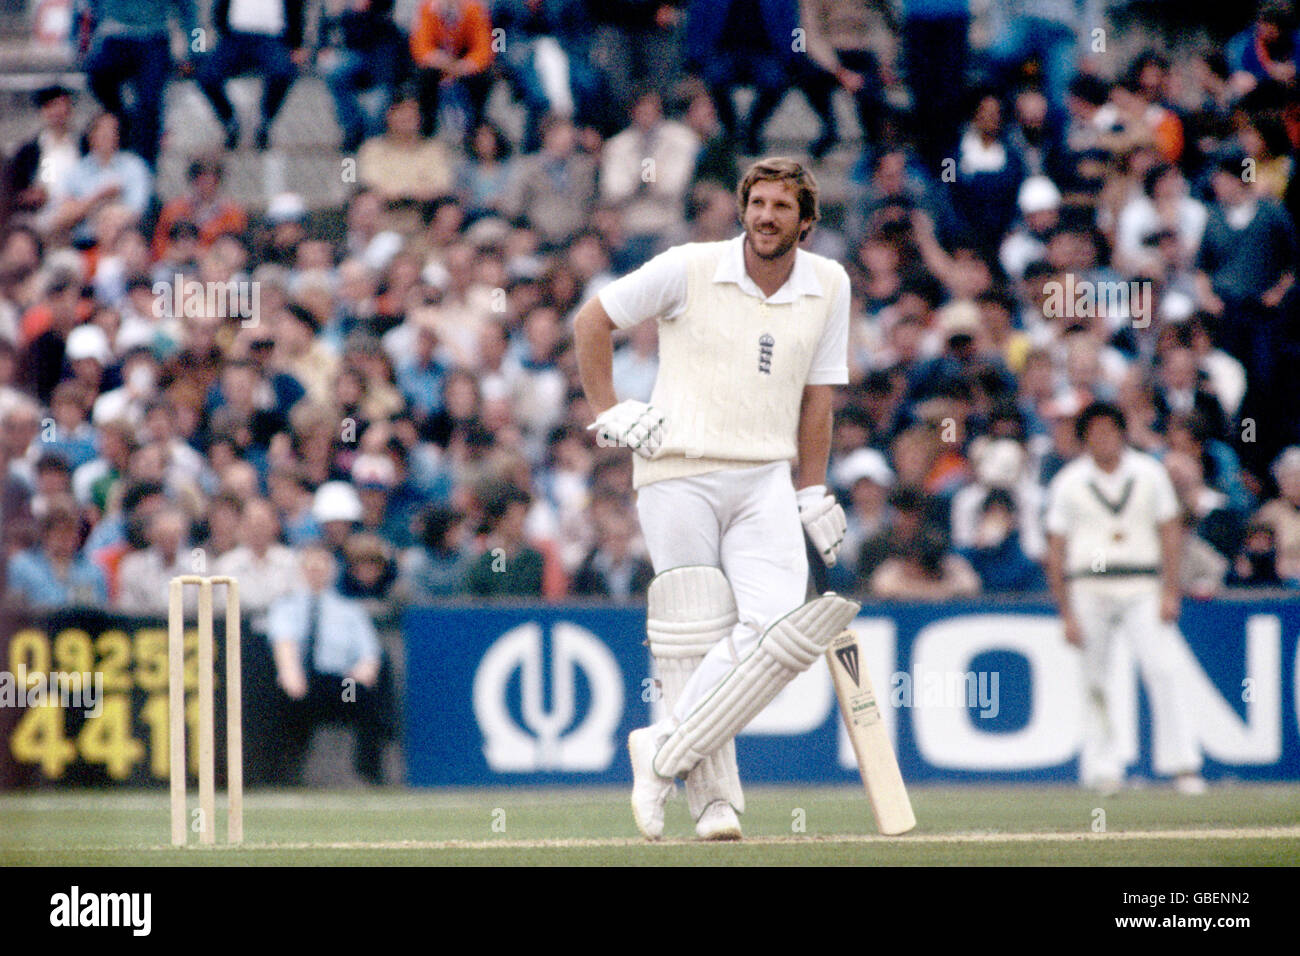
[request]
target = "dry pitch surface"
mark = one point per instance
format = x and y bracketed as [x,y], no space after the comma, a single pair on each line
[1233,824]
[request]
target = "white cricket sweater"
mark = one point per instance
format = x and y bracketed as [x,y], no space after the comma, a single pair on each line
[732,365]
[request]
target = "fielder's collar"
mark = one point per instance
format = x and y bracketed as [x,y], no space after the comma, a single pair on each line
[803,278]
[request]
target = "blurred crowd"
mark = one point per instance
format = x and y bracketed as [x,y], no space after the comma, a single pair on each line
[190,385]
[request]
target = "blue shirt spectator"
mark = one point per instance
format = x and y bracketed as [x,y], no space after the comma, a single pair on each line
[55,573]
[105,175]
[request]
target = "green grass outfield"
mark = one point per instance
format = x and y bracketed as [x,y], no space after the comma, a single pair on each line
[1233,824]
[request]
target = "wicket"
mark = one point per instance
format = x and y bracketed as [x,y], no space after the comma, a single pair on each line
[207,708]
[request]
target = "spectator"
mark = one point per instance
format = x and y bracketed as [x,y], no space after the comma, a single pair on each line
[402,165]
[1001,465]
[131,47]
[292,496]
[1052,33]
[508,566]
[907,519]
[1163,205]
[145,575]
[483,176]
[72,438]
[266,569]
[923,571]
[553,190]
[437,566]
[55,573]
[1039,202]
[645,171]
[715,163]
[988,175]
[365,54]
[995,553]
[1265,52]
[451,44]
[223,522]
[375,478]
[612,568]
[935,50]
[368,239]
[105,175]
[20,425]
[741,42]
[1246,269]
[636,362]
[336,509]
[838,38]
[262,36]
[328,664]
[1256,564]
[1224,376]
[1209,514]
[533,61]
[370,571]
[211,213]
[1282,515]
[864,478]
[1181,390]
[35,175]
[1202,568]
[299,353]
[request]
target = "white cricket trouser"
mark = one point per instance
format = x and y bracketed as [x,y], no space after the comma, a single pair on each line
[1129,610]
[746,522]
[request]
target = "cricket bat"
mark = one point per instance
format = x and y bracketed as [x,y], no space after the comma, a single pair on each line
[876,760]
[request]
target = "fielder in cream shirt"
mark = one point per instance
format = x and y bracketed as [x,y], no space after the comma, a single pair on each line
[1114,540]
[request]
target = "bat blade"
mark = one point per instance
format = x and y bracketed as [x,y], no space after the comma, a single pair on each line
[867,732]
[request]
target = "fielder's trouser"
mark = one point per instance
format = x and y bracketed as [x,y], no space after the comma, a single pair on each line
[746,522]
[1128,610]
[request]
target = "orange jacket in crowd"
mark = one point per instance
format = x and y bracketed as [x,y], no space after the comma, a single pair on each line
[228,219]
[470,37]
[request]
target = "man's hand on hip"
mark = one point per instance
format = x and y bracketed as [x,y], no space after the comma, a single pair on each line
[823,519]
[631,424]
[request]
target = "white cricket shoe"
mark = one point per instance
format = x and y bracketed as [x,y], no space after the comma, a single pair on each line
[649,790]
[1190,784]
[718,822]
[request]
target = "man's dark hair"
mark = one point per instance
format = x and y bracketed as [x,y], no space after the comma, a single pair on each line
[907,498]
[48,94]
[435,523]
[139,491]
[1097,410]
[498,502]
[1091,89]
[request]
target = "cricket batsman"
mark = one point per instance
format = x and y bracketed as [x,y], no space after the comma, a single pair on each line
[1114,541]
[729,471]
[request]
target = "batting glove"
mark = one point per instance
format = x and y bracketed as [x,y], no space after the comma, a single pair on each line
[630,424]
[823,519]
